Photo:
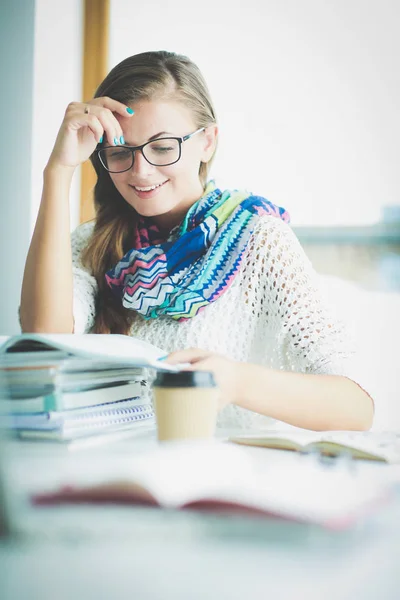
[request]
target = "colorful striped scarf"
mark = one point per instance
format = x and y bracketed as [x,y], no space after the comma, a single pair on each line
[197,263]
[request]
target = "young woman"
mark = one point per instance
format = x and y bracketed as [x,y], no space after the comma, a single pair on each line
[215,277]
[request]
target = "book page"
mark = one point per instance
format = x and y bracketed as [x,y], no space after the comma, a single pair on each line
[172,475]
[110,347]
[305,490]
[360,444]
[94,344]
[381,445]
[293,440]
[180,472]
[222,476]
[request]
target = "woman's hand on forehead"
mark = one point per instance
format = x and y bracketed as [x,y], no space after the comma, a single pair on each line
[85,125]
[106,110]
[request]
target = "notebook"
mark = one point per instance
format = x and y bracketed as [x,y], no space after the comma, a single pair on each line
[369,445]
[59,400]
[63,426]
[27,379]
[223,477]
[74,417]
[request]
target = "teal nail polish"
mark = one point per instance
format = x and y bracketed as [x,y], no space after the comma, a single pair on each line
[122,140]
[130,111]
[101,140]
[116,142]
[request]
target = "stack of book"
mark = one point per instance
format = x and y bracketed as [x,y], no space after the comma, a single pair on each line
[62,387]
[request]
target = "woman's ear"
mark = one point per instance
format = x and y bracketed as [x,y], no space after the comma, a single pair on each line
[210,142]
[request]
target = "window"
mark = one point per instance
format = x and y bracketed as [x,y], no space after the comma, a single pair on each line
[312,87]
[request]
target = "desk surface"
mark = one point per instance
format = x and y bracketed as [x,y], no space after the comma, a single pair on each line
[146,553]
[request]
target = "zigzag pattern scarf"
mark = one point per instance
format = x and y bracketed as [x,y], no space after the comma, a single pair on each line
[182,275]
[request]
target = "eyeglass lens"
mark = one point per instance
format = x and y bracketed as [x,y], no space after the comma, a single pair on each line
[159,153]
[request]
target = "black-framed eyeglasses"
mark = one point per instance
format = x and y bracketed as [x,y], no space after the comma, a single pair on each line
[160,152]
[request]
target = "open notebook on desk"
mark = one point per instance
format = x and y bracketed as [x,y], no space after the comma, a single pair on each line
[369,445]
[221,477]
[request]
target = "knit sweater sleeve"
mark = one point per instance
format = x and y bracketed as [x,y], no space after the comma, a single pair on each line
[285,292]
[85,285]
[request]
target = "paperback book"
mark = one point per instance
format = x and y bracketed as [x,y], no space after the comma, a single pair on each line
[62,400]
[221,477]
[110,349]
[368,445]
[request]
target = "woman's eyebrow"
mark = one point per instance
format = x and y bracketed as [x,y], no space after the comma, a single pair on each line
[153,137]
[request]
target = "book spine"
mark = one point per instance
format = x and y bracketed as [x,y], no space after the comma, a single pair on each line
[58,401]
[52,402]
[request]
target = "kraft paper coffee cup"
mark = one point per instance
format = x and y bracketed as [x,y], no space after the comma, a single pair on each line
[186,405]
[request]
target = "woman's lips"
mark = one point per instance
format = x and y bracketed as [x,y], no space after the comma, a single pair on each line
[150,193]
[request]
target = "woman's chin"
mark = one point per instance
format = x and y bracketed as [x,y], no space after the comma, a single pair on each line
[148,211]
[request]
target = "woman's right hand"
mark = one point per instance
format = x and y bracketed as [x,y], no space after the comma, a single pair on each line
[81,131]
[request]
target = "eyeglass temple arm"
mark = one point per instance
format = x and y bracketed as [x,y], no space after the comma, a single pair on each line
[186,137]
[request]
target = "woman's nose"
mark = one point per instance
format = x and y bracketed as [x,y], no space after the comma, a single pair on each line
[140,165]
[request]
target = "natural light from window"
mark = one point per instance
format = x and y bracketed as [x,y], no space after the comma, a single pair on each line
[305,94]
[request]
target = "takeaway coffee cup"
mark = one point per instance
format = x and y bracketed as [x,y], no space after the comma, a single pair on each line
[186,405]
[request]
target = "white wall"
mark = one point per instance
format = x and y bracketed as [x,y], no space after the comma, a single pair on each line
[307,95]
[16,48]
[57,82]
[40,50]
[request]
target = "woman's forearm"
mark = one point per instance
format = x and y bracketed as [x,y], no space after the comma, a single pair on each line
[319,402]
[46,299]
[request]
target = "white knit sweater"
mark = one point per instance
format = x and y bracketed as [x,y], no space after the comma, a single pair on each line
[274,314]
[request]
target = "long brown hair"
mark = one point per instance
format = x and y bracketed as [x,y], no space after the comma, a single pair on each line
[145,76]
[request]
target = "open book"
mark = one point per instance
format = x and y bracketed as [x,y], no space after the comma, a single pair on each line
[220,476]
[358,444]
[121,350]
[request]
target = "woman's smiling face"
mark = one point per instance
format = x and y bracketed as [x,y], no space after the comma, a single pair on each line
[176,187]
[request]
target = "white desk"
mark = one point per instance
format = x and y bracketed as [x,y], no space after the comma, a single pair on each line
[81,552]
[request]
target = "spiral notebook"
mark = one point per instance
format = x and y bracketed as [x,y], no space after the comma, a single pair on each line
[81,422]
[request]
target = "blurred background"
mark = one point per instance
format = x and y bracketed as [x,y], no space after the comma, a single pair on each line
[307,98]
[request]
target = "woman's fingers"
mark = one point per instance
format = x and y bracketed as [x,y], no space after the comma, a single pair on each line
[80,114]
[111,127]
[104,108]
[114,106]
[191,355]
[77,120]
[85,125]
[95,127]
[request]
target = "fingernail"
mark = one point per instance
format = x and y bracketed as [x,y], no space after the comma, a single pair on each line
[116,142]
[101,140]
[122,140]
[130,111]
